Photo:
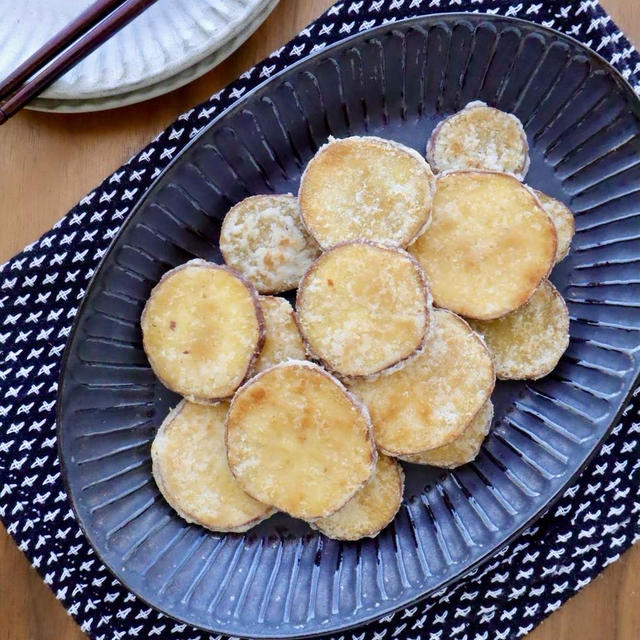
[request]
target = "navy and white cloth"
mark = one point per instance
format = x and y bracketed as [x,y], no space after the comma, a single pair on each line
[40,289]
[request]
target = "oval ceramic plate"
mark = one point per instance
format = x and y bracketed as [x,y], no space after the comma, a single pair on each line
[170,44]
[282,579]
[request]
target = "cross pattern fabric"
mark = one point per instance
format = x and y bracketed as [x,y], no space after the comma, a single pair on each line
[40,289]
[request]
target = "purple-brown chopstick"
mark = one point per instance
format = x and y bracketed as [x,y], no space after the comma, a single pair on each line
[78,39]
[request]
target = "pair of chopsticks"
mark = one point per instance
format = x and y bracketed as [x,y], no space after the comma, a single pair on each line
[76,41]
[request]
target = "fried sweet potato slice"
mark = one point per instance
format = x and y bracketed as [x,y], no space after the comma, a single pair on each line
[480,137]
[464,448]
[489,245]
[371,509]
[283,340]
[202,329]
[190,468]
[366,188]
[363,308]
[430,402]
[263,239]
[528,343]
[296,439]
[563,221]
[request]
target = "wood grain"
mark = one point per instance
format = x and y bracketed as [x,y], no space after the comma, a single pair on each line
[50,161]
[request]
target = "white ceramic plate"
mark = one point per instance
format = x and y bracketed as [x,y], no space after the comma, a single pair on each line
[170,44]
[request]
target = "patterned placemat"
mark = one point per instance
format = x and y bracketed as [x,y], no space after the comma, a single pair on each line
[40,289]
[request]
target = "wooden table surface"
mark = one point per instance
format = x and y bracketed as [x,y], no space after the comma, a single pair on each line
[50,161]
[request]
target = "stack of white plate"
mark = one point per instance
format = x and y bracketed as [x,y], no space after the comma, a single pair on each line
[167,46]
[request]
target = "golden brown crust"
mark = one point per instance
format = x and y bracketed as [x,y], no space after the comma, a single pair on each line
[371,509]
[528,343]
[190,468]
[283,340]
[363,308]
[489,245]
[366,188]
[263,238]
[563,221]
[430,402]
[297,439]
[479,137]
[199,343]
[464,448]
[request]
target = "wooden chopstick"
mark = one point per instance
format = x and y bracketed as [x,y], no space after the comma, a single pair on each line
[88,19]
[94,32]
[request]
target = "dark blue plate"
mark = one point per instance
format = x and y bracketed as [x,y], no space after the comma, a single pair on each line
[281,579]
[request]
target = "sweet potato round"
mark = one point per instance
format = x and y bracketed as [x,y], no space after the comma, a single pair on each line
[190,468]
[527,343]
[283,340]
[296,439]
[202,329]
[263,239]
[366,188]
[489,245]
[363,308]
[480,137]
[464,448]
[563,221]
[371,509]
[429,402]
